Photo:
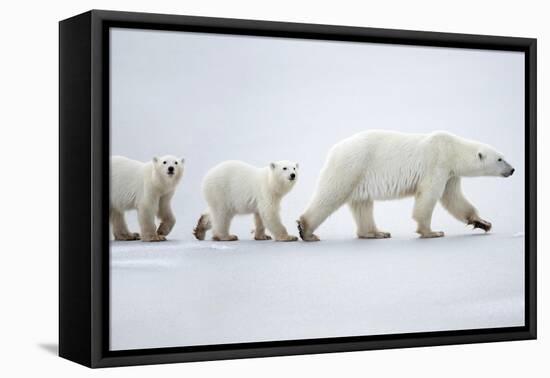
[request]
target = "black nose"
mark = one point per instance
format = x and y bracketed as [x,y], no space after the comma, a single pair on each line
[512,171]
[292,175]
[170,169]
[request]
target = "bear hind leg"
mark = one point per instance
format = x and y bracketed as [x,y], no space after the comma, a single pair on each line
[120,228]
[315,216]
[203,224]
[333,190]
[221,221]
[324,204]
[363,215]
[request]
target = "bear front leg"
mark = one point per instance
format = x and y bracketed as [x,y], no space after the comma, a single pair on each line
[146,218]
[454,201]
[166,216]
[427,195]
[477,222]
[259,228]
[273,222]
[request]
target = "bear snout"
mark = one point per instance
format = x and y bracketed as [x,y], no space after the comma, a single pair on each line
[170,170]
[292,176]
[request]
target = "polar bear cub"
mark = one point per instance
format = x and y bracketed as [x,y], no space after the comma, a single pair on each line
[235,187]
[147,188]
[385,165]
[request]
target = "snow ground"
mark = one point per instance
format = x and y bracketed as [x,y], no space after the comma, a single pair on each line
[182,293]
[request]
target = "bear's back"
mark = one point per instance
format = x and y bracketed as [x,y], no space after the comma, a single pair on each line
[233,181]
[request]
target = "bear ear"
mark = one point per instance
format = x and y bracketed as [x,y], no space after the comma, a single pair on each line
[480,155]
[182,160]
[297,165]
[272,165]
[155,159]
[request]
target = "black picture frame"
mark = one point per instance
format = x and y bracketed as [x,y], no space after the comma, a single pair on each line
[84,188]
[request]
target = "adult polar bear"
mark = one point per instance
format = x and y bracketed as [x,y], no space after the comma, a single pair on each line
[235,187]
[147,187]
[385,165]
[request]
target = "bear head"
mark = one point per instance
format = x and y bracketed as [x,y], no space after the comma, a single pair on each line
[488,162]
[168,169]
[283,173]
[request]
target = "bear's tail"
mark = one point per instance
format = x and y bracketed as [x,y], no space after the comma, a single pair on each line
[203,224]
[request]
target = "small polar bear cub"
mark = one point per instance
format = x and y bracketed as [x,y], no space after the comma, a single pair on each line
[385,165]
[234,187]
[147,188]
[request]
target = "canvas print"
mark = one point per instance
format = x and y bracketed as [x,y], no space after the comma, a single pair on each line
[266,189]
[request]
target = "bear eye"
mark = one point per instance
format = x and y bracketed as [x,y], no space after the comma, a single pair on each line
[284,169]
[176,163]
[163,162]
[499,159]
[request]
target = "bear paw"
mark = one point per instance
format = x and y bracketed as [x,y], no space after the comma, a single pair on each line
[127,237]
[305,234]
[376,235]
[481,224]
[199,233]
[310,238]
[154,238]
[225,238]
[262,237]
[432,234]
[164,229]
[287,238]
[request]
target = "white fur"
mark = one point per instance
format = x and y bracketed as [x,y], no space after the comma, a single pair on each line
[148,188]
[384,165]
[234,187]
